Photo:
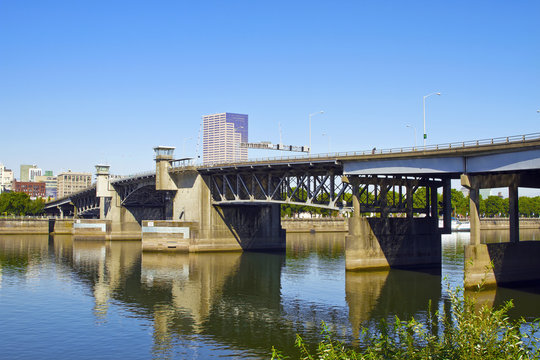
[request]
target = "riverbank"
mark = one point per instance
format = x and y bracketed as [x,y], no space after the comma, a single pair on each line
[315,225]
[10,226]
[342,224]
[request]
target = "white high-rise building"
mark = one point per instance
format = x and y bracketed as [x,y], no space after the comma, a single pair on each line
[33,173]
[6,178]
[222,135]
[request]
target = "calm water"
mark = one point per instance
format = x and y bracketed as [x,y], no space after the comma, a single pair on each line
[65,299]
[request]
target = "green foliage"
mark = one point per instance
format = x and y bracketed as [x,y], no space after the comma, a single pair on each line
[289,210]
[495,206]
[529,207]
[19,204]
[462,331]
[460,203]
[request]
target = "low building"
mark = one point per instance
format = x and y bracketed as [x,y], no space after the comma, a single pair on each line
[51,185]
[34,189]
[71,182]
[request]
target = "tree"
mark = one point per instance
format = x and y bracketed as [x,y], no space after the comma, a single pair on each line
[17,203]
[496,206]
[460,203]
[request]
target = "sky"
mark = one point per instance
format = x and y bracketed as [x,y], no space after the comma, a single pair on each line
[89,82]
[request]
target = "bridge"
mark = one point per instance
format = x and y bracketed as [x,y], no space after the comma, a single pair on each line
[392,195]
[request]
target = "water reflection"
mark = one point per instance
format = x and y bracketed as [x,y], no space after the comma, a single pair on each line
[108,264]
[195,283]
[232,304]
[503,235]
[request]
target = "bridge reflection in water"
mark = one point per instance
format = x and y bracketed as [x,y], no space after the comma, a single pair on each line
[238,303]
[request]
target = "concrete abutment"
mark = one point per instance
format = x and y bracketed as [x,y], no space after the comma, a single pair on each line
[381,243]
[508,263]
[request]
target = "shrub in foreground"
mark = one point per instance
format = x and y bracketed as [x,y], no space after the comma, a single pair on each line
[462,331]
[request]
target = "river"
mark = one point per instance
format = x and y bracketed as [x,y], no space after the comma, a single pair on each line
[65,299]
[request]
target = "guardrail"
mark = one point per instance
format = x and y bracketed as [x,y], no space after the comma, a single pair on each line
[134,176]
[374,151]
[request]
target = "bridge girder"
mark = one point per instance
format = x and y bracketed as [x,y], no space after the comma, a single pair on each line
[323,188]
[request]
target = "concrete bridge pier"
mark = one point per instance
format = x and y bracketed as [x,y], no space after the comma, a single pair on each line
[494,264]
[383,242]
[198,226]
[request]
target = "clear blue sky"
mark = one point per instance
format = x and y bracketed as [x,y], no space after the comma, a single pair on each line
[86,82]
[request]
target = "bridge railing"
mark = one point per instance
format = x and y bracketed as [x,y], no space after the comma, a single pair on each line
[134,176]
[374,151]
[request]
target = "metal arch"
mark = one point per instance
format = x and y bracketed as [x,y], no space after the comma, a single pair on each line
[86,203]
[143,195]
[126,188]
[129,190]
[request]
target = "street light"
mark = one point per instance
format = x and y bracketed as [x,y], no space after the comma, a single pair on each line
[424,103]
[310,115]
[414,128]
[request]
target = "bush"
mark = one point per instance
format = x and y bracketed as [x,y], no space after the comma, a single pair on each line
[463,331]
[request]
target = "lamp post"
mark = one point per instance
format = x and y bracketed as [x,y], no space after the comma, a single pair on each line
[414,128]
[310,115]
[424,103]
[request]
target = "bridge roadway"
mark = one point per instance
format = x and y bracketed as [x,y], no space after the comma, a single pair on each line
[392,192]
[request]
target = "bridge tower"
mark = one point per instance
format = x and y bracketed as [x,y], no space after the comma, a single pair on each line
[164,157]
[103,189]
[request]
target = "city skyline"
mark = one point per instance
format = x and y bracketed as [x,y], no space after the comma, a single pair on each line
[84,84]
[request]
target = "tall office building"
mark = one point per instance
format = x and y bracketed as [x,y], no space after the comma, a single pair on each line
[222,135]
[29,173]
[33,173]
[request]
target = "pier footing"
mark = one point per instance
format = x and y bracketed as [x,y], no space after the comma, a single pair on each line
[502,264]
[381,243]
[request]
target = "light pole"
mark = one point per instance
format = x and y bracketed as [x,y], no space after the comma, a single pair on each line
[414,128]
[310,115]
[424,103]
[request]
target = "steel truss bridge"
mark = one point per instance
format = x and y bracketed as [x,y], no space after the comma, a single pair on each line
[383,181]
[318,184]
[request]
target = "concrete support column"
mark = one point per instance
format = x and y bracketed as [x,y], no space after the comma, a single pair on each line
[433,202]
[447,207]
[101,208]
[355,197]
[409,201]
[513,213]
[383,200]
[474,215]
[474,206]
